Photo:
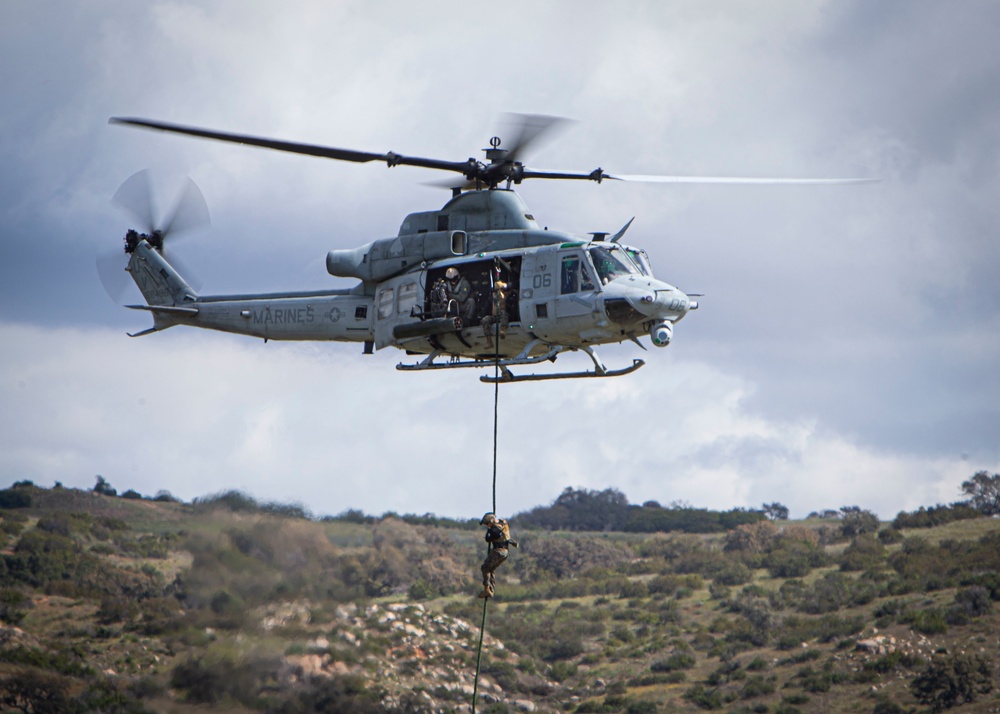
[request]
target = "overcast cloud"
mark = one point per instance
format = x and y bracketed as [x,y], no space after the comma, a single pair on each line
[845,352]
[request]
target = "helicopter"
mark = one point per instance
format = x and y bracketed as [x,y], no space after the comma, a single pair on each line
[477,283]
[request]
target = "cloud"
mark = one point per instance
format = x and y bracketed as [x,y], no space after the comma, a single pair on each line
[845,348]
[325,426]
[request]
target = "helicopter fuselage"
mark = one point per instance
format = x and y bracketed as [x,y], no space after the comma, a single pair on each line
[478,279]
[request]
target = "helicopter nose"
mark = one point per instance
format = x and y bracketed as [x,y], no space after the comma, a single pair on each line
[634,300]
[655,299]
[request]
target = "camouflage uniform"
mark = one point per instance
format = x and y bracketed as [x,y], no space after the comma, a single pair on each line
[498,536]
[460,290]
[499,313]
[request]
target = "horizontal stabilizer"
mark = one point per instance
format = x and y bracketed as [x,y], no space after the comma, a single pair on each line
[166,309]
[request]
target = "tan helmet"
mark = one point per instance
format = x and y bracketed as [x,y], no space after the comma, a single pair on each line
[488,519]
[451,273]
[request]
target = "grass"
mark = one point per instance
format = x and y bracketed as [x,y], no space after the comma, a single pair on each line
[635,634]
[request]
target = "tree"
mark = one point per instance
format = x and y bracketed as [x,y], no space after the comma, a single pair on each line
[949,681]
[33,690]
[857,521]
[775,511]
[752,539]
[11,498]
[103,487]
[983,491]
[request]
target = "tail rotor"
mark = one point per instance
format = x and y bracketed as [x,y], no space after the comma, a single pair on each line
[135,196]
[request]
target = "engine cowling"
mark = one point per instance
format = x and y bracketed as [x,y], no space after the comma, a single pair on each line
[661,333]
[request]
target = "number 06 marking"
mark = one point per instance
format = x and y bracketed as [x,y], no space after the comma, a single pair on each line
[542,281]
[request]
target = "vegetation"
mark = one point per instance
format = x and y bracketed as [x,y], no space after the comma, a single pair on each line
[122,603]
[609,510]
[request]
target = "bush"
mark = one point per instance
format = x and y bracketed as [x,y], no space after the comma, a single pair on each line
[12,498]
[13,606]
[794,559]
[210,682]
[864,553]
[952,680]
[31,689]
[969,602]
[935,516]
[565,647]
[104,488]
[927,622]
[733,573]
[756,686]
[857,521]
[704,698]
[676,661]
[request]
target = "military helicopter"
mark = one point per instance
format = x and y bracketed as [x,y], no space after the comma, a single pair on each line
[476,284]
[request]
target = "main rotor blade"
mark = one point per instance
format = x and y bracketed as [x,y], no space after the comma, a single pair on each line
[734,179]
[326,152]
[527,130]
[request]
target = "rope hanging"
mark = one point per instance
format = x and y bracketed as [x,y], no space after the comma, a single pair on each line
[496,402]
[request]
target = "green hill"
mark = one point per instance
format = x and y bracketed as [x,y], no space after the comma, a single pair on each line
[126,604]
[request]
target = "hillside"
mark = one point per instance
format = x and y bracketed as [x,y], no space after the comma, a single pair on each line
[118,604]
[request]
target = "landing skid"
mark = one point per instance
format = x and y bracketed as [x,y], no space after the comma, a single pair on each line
[506,376]
[521,359]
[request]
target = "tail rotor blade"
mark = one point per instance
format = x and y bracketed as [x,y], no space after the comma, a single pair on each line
[189,212]
[135,196]
[111,270]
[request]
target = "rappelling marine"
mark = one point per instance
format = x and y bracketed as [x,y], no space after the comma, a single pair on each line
[498,537]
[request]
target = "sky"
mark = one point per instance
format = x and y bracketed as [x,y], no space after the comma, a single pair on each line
[846,349]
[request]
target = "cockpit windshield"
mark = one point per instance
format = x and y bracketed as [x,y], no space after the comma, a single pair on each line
[611,262]
[641,260]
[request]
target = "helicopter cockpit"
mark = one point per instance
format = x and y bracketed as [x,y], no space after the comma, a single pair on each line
[613,261]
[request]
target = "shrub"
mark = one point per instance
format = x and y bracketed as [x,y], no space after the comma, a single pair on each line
[751,540]
[969,602]
[31,689]
[756,686]
[13,606]
[952,680]
[930,621]
[704,698]
[210,682]
[13,498]
[794,559]
[864,553]
[561,671]
[890,536]
[565,647]
[733,573]
[857,521]
[103,487]
[676,661]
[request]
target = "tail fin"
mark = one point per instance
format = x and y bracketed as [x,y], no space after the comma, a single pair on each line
[159,283]
[168,296]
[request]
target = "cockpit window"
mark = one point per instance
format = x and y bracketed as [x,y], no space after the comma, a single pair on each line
[576,276]
[641,260]
[611,263]
[570,275]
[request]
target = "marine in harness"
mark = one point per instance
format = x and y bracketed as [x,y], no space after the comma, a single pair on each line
[498,537]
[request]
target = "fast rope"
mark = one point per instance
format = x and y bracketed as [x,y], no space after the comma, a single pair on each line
[496,402]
